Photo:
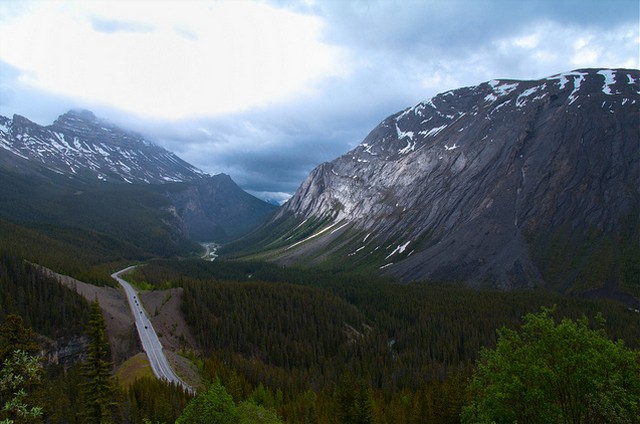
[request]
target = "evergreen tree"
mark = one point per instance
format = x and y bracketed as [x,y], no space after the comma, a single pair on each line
[353,402]
[15,336]
[99,388]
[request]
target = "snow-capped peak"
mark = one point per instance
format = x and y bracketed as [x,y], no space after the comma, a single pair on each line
[79,143]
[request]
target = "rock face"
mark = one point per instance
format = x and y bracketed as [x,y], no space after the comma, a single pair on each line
[477,184]
[67,352]
[79,143]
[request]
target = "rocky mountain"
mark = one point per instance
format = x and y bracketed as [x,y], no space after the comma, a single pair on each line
[79,143]
[84,173]
[504,184]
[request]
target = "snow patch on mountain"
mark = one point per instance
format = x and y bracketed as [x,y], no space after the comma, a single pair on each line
[501,88]
[78,143]
[609,81]
[433,131]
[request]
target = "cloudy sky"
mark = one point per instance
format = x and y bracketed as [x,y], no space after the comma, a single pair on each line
[267,90]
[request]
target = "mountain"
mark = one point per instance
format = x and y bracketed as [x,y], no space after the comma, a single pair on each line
[79,143]
[215,208]
[92,185]
[505,184]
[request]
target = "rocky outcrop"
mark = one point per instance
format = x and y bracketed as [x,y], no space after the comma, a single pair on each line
[477,183]
[66,352]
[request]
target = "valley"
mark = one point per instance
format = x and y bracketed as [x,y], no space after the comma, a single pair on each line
[373,295]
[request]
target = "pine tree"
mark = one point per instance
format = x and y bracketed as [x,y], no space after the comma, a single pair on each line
[99,389]
[15,336]
[353,401]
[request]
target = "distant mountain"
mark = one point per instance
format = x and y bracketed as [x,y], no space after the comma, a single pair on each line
[215,208]
[79,143]
[505,184]
[87,182]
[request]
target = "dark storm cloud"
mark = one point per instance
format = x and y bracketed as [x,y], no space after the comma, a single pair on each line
[267,151]
[394,47]
[402,53]
[457,24]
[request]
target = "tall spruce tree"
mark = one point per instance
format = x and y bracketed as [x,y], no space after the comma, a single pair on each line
[99,388]
[15,336]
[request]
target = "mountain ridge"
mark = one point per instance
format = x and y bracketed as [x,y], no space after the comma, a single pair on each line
[479,184]
[87,175]
[79,143]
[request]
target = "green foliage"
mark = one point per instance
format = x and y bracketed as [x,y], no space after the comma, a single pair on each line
[99,388]
[252,413]
[18,374]
[21,371]
[353,402]
[15,336]
[287,325]
[552,373]
[73,252]
[216,406]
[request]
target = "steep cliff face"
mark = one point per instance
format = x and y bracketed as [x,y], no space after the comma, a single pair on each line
[479,184]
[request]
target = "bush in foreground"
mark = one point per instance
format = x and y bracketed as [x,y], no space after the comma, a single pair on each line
[555,373]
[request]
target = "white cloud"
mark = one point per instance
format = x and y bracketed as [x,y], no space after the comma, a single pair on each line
[528,41]
[169,59]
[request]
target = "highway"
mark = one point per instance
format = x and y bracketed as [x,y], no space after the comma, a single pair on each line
[150,342]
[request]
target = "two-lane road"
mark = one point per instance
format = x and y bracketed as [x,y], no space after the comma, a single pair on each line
[148,337]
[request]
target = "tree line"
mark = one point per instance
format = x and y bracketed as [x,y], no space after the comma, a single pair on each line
[319,345]
[297,345]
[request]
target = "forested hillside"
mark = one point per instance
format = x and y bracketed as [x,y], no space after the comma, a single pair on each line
[316,346]
[86,229]
[303,345]
[44,304]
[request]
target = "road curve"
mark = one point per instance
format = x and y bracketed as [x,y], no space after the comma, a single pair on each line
[150,342]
